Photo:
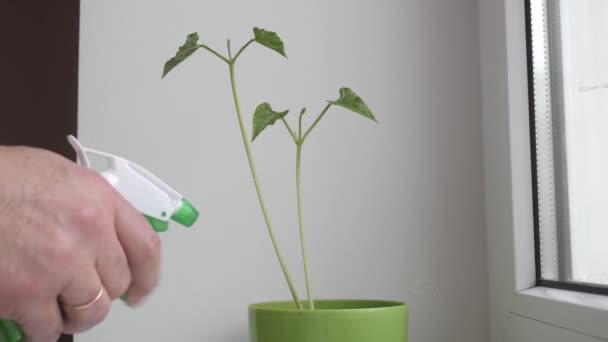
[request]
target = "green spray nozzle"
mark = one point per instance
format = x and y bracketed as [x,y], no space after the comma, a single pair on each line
[185,214]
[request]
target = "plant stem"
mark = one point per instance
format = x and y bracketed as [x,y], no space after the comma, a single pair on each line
[242,49]
[293,135]
[300,123]
[215,53]
[316,122]
[257,186]
[311,303]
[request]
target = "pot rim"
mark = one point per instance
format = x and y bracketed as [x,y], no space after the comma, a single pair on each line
[372,305]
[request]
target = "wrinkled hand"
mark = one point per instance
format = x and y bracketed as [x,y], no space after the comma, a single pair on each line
[65,234]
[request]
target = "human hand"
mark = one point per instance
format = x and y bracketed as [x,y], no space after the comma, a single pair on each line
[67,239]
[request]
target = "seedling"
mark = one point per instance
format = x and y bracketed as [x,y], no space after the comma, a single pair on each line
[265,116]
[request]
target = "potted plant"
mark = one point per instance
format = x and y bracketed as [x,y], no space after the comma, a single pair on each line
[295,320]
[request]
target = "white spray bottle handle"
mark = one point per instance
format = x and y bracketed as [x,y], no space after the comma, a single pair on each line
[146,192]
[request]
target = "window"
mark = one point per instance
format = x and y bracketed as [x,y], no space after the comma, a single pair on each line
[568,84]
[526,305]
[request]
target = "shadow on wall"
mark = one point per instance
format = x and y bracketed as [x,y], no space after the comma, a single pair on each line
[236,337]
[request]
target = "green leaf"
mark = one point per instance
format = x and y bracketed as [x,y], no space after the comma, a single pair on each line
[270,40]
[184,51]
[349,100]
[264,116]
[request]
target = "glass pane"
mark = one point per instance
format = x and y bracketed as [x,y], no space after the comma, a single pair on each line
[584,40]
[570,72]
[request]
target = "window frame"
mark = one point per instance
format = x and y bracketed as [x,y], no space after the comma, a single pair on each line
[510,220]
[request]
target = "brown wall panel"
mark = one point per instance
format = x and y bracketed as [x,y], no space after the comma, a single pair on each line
[39,74]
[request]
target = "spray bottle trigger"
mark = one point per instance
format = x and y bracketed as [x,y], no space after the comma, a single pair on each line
[10,332]
[158,225]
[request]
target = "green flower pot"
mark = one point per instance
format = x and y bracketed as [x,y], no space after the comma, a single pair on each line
[331,321]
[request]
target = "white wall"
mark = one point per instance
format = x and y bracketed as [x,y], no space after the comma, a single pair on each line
[497,164]
[394,210]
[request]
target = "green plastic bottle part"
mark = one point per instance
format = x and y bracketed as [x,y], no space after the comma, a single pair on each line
[186,215]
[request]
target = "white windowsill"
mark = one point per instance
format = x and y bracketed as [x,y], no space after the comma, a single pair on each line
[587,300]
[579,312]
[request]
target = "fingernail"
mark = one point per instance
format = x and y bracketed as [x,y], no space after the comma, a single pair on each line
[135,301]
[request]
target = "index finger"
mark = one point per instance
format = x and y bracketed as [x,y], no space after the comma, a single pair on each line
[141,245]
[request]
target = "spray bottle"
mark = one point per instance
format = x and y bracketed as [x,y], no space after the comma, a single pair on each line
[153,198]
